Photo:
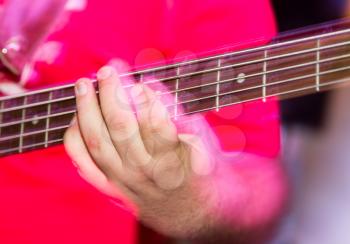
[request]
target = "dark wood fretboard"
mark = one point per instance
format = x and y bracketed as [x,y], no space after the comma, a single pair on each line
[304,62]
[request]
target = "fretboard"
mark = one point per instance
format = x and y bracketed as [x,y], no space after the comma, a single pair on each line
[304,62]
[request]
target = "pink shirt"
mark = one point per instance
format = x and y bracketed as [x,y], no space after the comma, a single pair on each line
[43,200]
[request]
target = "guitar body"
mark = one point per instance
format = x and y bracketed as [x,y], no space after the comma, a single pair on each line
[43,199]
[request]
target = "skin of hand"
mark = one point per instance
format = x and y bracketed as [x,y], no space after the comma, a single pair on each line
[125,144]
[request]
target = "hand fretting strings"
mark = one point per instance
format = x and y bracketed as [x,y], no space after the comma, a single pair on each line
[289,68]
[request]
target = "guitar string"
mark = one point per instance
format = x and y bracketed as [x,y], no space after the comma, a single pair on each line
[191,74]
[262,60]
[32,146]
[72,112]
[36,118]
[196,61]
[205,85]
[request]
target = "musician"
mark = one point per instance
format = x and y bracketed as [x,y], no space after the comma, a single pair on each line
[216,177]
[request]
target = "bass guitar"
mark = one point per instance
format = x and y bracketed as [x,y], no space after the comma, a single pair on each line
[306,61]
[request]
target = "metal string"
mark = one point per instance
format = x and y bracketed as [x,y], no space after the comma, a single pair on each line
[36,118]
[184,114]
[188,89]
[199,72]
[72,112]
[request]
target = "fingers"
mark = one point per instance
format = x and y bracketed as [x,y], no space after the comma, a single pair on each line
[116,137]
[120,119]
[112,155]
[157,130]
[87,169]
[160,138]
[94,131]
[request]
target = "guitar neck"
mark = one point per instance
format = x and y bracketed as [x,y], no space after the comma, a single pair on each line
[303,62]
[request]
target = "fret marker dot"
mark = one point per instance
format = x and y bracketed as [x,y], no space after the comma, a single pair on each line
[241,78]
[35,120]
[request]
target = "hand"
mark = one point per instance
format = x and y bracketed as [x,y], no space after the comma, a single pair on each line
[130,146]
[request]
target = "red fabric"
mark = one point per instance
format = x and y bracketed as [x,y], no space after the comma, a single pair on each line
[42,198]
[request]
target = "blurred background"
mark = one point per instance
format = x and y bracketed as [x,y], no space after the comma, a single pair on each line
[315,145]
[293,14]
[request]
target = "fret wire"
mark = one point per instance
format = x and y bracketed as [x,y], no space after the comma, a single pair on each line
[318,58]
[198,99]
[269,96]
[190,88]
[264,77]
[218,78]
[202,110]
[210,70]
[270,72]
[177,92]
[37,118]
[222,94]
[48,121]
[267,72]
[268,85]
[22,126]
[57,100]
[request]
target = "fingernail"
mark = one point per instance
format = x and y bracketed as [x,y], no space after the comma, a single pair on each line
[104,73]
[81,87]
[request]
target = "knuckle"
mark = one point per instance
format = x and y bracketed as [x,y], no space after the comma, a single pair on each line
[119,123]
[93,143]
[155,128]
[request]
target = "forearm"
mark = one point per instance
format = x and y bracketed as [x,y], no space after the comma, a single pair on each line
[249,197]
